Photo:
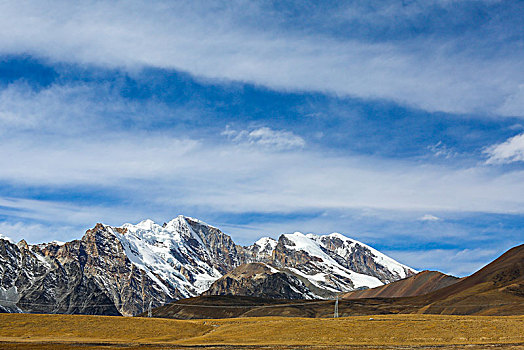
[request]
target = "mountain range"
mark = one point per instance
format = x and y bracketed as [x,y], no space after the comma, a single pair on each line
[128,269]
[496,289]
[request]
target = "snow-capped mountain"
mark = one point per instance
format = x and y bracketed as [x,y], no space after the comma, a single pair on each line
[362,258]
[122,270]
[299,266]
[184,254]
[261,250]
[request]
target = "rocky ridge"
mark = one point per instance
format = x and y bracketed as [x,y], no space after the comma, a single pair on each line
[123,270]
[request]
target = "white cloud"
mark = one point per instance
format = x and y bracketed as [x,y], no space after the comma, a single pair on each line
[514,103]
[511,150]
[36,233]
[441,150]
[159,174]
[429,217]
[238,179]
[266,137]
[214,42]
[60,213]
[172,170]
[276,138]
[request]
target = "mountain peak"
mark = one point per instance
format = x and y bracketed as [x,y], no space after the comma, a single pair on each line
[265,242]
[183,257]
[6,238]
[146,224]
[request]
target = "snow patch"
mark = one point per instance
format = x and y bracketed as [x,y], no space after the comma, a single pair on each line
[272,269]
[5,238]
[379,258]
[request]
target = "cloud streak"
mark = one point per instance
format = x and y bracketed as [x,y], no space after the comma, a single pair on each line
[429,217]
[509,151]
[263,169]
[429,73]
[266,137]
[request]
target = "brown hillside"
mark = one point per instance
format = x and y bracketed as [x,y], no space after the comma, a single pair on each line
[497,288]
[419,284]
[225,306]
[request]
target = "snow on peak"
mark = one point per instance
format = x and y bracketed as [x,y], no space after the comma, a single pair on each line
[165,251]
[147,224]
[183,220]
[341,237]
[305,243]
[327,266]
[266,242]
[349,244]
[264,247]
[200,222]
[5,238]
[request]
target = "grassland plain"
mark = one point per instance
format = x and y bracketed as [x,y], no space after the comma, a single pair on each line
[28,331]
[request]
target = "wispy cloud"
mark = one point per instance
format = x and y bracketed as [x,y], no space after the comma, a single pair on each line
[38,233]
[509,151]
[208,173]
[441,150]
[266,137]
[514,102]
[429,217]
[214,42]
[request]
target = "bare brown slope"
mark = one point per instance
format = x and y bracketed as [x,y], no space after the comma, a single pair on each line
[226,306]
[497,288]
[422,283]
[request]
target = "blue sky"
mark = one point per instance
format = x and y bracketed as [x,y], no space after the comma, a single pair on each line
[400,124]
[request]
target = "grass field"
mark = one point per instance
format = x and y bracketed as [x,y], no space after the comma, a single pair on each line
[26,331]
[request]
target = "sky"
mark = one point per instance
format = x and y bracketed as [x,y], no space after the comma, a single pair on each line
[396,123]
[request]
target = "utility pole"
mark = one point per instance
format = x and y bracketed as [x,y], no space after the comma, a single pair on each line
[335,315]
[149,311]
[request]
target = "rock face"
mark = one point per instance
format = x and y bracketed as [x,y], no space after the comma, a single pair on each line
[123,270]
[315,266]
[45,279]
[115,271]
[262,280]
[361,258]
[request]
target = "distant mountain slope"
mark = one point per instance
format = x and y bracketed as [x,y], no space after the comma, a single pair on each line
[422,283]
[361,258]
[114,270]
[64,279]
[330,264]
[497,288]
[299,266]
[261,280]
[123,270]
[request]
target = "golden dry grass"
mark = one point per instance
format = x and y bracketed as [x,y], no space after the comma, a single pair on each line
[382,331]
